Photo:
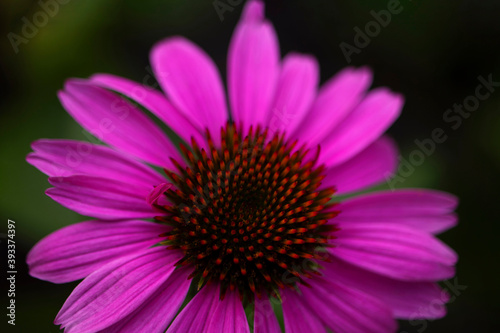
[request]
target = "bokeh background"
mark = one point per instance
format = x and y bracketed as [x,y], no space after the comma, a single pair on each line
[432,52]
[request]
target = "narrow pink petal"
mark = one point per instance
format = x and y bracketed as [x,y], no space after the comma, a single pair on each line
[366,123]
[116,290]
[228,315]
[117,122]
[265,320]
[154,101]
[63,158]
[253,11]
[73,252]
[407,300]
[299,317]
[336,99]
[253,68]
[207,313]
[156,196]
[434,224]
[195,316]
[192,82]
[296,91]
[102,198]
[425,210]
[365,169]
[346,310]
[405,202]
[396,251]
[157,312]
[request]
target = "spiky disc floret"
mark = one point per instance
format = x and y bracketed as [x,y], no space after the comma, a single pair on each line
[249,213]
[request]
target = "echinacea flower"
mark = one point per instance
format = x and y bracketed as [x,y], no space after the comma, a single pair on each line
[246,212]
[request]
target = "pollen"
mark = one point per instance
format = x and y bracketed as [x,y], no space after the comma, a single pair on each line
[249,212]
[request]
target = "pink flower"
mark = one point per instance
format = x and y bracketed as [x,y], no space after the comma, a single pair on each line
[244,211]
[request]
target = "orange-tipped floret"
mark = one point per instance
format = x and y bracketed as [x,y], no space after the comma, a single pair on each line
[249,212]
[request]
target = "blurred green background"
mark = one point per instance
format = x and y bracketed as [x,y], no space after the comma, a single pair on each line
[432,52]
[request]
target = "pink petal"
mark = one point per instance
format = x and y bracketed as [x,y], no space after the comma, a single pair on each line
[298,316]
[396,251]
[228,315]
[336,99]
[157,312]
[195,316]
[100,197]
[117,122]
[425,210]
[407,300]
[265,320]
[364,170]
[73,252]
[207,313]
[154,101]
[404,202]
[253,68]
[366,123]
[62,158]
[346,310]
[116,290]
[192,82]
[431,224]
[296,91]
[156,196]
[253,11]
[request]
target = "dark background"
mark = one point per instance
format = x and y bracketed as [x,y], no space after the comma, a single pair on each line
[432,52]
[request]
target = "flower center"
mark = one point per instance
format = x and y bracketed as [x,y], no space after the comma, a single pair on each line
[249,214]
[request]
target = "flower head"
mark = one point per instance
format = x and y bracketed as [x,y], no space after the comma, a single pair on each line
[246,212]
